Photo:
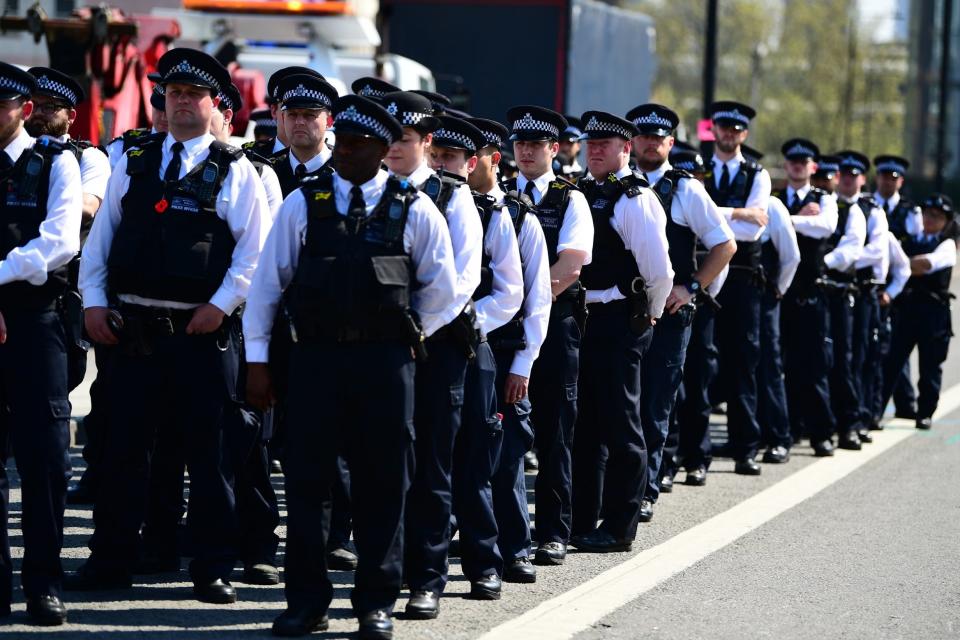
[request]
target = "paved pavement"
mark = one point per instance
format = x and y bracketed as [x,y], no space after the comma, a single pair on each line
[874,555]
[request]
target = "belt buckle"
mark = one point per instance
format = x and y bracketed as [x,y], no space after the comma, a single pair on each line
[164,325]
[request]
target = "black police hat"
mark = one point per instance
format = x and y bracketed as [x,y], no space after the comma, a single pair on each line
[301,91]
[532,123]
[574,130]
[57,85]
[263,121]
[412,110]
[799,149]
[894,165]
[600,124]
[273,84]
[189,66]
[750,153]
[158,98]
[728,113]
[853,162]
[941,202]
[456,133]
[439,101]
[654,119]
[372,88]
[687,157]
[15,82]
[827,166]
[361,116]
[494,133]
[230,98]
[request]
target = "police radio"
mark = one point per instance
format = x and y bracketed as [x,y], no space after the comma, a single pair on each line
[432,187]
[32,173]
[208,181]
[393,227]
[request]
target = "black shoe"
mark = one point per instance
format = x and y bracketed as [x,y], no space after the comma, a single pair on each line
[215,592]
[907,413]
[275,469]
[376,625]
[875,425]
[924,423]
[748,467]
[486,589]
[776,455]
[550,554]
[864,436]
[423,605]
[646,511]
[260,573]
[530,462]
[152,563]
[46,611]
[697,477]
[88,578]
[849,441]
[341,559]
[520,570]
[823,449]
[599,541]
[300,622]
[81,494]
[666,483]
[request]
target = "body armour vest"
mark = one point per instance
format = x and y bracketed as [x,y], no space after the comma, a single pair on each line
[511,335]
[613,264]
[681,240]
[843,214]
[748,253]
[937,283]
[550,211]
[22,210]
[289,182]
[170,243]
[812,250]
[440,188]
[263,148]
[897,219]
[485,205]
[353,274]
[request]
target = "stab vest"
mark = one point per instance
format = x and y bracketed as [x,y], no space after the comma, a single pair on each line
[613,264]
[736,195]
[353,275]
[937,283]
[843,214]
[485,206]
[681,240]
[288,179]
[897,219]
[440,187]
[812,250]
[22,210]
[171,244]
[511,333]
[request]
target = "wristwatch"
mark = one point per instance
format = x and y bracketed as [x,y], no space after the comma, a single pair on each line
[693,287]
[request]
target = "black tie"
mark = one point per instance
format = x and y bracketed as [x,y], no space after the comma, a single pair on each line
[300,171]
[357,209]
[528,191]
[172,173]
[724,178]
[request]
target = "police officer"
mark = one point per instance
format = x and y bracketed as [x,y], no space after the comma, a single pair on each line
[564,214]
[357,255]
[740,188]
[567,162]
[372,88]
[267,148]
[158,116]
[264,125]
[923,317]
[627,285]
[497,300]
[827,174]
[897,277]
[846,245]
[175,323]
[516,346]
[41,211]
[693,216]
[305,102]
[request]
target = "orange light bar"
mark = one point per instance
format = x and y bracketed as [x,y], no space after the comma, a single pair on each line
[309,7]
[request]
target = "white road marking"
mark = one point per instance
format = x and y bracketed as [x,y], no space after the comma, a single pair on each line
[577,609]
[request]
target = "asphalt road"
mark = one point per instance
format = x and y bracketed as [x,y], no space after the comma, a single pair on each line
[874,555]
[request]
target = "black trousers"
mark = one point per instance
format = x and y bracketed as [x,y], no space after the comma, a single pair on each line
[609,453]
[661,375]
[476,455]
[553,400]
[843,389]
[437,418]
[195,379]
[924,323]
[865,355]
[510,505]
[738,340]
[366,392]
[34,426]
[772,399]
[807,360]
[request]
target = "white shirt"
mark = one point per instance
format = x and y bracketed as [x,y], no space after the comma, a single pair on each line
[642,224]
[425,238]
[466,237]
[714,287]
[59,238]
[844,257]
[241,202]
[271,186]
[115,150]
[821,225]
[692,207]
[538,296]
[577,229]
[500,245]
[94,170]
[758,197]
[875,252]
[277,146]
[943,257]
[313,163]
[781,233]
[899,266]
[914,221]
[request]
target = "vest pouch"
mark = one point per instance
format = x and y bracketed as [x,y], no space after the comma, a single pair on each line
[314,300]
[392,275]
[192,250]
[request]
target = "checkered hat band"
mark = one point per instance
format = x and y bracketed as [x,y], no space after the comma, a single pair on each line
[601,126]
[46,84]
[301,91]
[159,90]
[186,67]
[226,101]
[891,166]
[653,118]
[800,150]
[731,115]
[493,139]
[853,163]
[828,166]
[10,83]
[461,140]
[411,118]
[529,123]
[367,122]
[369,92]
[265,123]
[686,165]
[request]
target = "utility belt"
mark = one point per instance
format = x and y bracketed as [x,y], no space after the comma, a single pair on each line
[866,283]
[403,328]
[635,306]
[756,275]
[571,303]
[704,299]
[510,337]
[461,331]
[942,298]
[682,318]
[139,327]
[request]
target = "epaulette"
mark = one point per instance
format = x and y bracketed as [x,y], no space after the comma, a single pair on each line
[562,183]
[227,149]
[752,165]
